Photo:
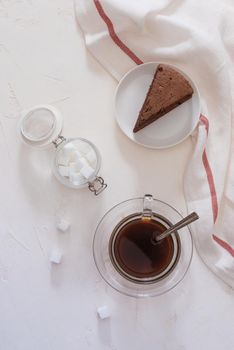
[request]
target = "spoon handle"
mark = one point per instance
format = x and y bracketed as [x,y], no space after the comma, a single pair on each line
[184,222]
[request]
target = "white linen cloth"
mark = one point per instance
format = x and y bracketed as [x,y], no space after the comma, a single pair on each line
[198,37]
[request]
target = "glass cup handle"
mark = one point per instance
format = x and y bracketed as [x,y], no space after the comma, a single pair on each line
[147,206]
[97,185]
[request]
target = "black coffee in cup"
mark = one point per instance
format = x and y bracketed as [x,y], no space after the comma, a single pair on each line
[135,255]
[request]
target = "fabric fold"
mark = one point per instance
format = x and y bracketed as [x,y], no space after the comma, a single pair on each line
[197,37]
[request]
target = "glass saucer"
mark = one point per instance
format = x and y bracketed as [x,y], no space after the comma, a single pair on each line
[104,262]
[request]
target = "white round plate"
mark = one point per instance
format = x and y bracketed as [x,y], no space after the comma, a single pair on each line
[168,130]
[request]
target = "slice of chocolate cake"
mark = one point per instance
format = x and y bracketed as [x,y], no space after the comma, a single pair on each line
[168,90]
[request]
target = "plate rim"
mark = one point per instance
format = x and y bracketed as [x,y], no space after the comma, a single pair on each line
[186,76]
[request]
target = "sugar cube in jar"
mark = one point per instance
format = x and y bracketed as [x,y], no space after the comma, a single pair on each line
[77,162]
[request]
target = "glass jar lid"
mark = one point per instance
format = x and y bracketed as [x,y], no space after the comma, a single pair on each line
[40,125]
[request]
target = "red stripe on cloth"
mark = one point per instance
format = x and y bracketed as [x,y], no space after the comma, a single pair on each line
[205,121]
[214,201]
[113,34]
[224,244]
[210,178]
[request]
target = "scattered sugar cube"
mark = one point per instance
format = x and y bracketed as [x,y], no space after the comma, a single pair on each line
[56,256]
[87,171]
[64,170]
[63,225]
[76,178]
[103,312]
[91,157]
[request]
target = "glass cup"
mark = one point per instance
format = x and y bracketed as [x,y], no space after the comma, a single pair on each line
[109,231]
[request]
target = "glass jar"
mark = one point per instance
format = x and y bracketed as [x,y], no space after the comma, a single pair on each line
[76,162]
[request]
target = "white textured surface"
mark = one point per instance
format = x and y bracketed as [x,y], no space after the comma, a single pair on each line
[43,60]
